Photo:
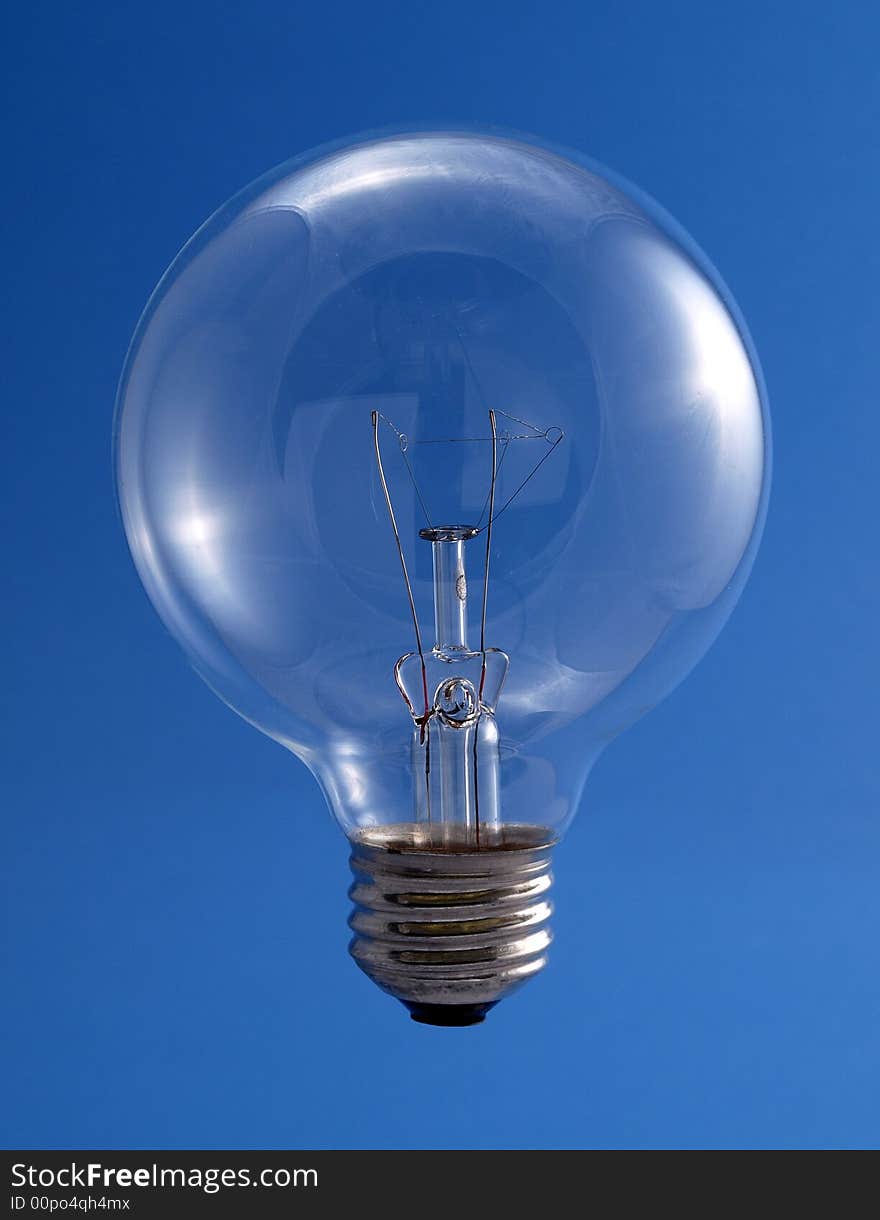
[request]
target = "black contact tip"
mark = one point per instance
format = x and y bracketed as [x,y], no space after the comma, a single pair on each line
[449,1014]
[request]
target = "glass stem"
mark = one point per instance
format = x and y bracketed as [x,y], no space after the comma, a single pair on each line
[450,595]
[456,759]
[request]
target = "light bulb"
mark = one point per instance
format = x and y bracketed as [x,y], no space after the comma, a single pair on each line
[444,456]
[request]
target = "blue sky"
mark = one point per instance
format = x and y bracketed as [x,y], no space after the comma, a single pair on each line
[176,961]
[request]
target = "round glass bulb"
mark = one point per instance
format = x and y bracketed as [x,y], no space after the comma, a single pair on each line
[444,456]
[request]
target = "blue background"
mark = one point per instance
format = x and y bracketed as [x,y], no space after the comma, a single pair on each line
[178,974]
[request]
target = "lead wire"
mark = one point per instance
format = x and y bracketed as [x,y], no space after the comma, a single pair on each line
[396,532]
[493,426]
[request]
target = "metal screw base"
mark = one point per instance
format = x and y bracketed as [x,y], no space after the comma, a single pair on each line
[447,929]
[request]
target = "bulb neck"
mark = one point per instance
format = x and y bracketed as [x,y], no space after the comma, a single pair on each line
[449,931]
